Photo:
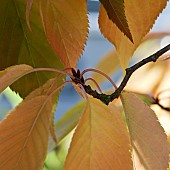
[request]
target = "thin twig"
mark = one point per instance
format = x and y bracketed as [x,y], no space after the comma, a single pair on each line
[129,71]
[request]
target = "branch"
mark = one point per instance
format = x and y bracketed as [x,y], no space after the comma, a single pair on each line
[129,71]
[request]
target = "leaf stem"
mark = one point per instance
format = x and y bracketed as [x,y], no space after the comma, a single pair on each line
[100,72]
[54,70]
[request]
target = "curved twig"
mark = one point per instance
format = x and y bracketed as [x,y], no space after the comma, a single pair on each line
[100,72]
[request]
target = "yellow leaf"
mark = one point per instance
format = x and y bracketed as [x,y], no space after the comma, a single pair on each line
[11,74]
[24,132]
[66,27]
[149,142]
[141,16]
[100,141]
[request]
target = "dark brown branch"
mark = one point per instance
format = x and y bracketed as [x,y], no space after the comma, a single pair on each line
[129,71]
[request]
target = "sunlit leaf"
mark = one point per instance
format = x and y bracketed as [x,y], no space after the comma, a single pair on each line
[11,74]
[24,132]
[152,75]
[20,46]
[165,82]
[100,141]
[24,135]
[66,27]
[149,142]
[140,16]
[116,12]
[150,44]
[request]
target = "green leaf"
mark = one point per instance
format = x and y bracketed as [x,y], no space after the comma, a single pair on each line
[20,46]
[116,12]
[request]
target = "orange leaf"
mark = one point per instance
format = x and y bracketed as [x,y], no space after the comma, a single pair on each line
[24,132]
[152,74]
[66,27]
[141,16]
[100,141]
[11,74]
[149,142]
[116,12]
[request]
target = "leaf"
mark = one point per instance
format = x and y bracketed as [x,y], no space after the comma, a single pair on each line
[28,8]
[20,46]
[108,64]
[147,98]
[66,27]
[52,128]
[67,123]
[149,142]
[116,12]
[11,74]
[100,140]
[165,81]
[152,74]
[140,16]
[24,132]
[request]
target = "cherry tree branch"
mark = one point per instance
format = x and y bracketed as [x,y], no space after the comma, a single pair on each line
[129,71]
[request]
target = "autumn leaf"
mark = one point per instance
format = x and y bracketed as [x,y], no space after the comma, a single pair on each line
[20,46]
[152,74]
[66,27]
[108,64]
[13,73]
[24,135]
[116,12]
[149,142]
[24,132]
[140,16]
[100,140]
